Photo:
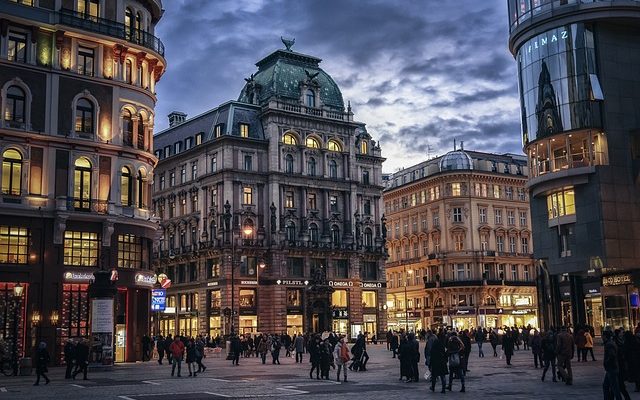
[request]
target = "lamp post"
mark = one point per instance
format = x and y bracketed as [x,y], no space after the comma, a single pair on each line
[261,265]
[18,290]
[54,318]
[406,301]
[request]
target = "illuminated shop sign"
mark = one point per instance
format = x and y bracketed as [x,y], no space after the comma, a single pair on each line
[212,283]
[340,313]
[248,282]
[522,301]
[158,299]
[545,39]
[76,276]
[292,282]
[341,283]
[146,279]
[615,280]
[372,285]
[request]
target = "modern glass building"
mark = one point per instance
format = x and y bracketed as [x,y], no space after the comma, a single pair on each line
[577,75]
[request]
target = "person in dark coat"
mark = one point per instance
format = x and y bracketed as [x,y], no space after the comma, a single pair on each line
[42,359]
[146,348]
[236,349]
[325,359]
[548,345]
[69,357]
[191,358]
[413,348]
[624,360]
[466,340]
[632,353]
[480,338]
[275,350]
[493,339]
[314,356]
[455,351]
[199,343]
[438,364]
[82,359]
[404,358]
[508,343]
[536,348]
[395,343]
[160,347]
[167,343]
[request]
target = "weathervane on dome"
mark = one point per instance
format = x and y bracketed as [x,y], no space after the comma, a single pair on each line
[288,43]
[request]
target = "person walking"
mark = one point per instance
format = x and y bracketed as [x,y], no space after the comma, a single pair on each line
[298,344]
[191,358]
[395,343]
[341,357]
[275,350]
[167,343]
[580,342]
[82,359]
[146,347]
[428,346]
[455,353]
[610,385]
[325,359]
[508,343]
[624,343]
[548,345]
[69,357]
[236,349]
[493,339]
[42,359]
[177,351]
[413,350]
[314,356]
[438,364]
[389,335]
[588,345]
[565,348]
[480,338]
[536,348]
[199,343]
[160,346]
[262,348]
[466,341]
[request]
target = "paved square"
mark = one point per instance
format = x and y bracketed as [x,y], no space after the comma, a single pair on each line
[489,378]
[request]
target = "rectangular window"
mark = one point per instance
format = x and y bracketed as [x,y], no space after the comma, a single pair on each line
[213,268]
[483,215]
[217,130]
[129,251]
[194,170]
[244,130]
[295,267]
[496,191]
[194,203]
[81,248]
[333,204]
[369,271]
[365,177]
[167,151]
[214,162]
[248,163]
[526,276]
[508,192]
[162,182]
[188,143]
[17,47]
[366,207]
[455,189]
[339,298]
[521,194]
[294,298]
[85,61]
[414,224]
[484,242]
[247,195]
[512,244]
[198,139]
[342,269]
[247,298]
[288,200]
[459,242]
[369,299]
[436,219]
[424,222]
[498,216]
[523,218]
[561,203]
[14,245]
[500,243]
[215,299]
[183,174]
[511,218]
[514,272]
[457,214]
[524,245]
[311,201]
[172,179]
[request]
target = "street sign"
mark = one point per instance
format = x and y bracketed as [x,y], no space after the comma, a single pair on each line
[158,299]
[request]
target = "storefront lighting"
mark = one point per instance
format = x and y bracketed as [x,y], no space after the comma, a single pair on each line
[18,289]
[55,317]
[247,230]
[35,317]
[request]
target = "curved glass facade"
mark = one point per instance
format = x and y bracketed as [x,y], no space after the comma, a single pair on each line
[558,82]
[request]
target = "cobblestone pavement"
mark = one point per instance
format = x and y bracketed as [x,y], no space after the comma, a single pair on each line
[489,378]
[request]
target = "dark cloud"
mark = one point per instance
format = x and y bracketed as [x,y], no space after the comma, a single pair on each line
[419,73]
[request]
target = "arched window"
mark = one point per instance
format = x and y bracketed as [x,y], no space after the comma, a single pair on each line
[311,166]
[333,169]
[128,22]
[126,186]
[288,164]
[11,172]
[128,71]
[310,98]
[364,146]
[84,116]
[313,143]
[141,196]
[127,128]
[82,184]
[141,129]
[313,233]
[291,231]
[335,235]
[368,237]
[14,109]
[289,138]
[333,145]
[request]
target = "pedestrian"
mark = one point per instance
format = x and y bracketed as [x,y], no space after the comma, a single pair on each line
[236,349]
[314,356]
[466,341]
[403,357]
[565,349]
[42,359]
[455,353]
[160,346]
[69,357]
[341,357]
[588,345]
[430,339]
[389,335]
[146,347]
[493,339]
[177,351]
[480,338]
[610,385]
[82,359]
[536,348]
[413,348]
[438,363]
[191,358]
[298,343]
[580,341]
[262,348]
[508,343]
[167,343]
[624,343]
[395,343]
[275,350]
[325,359]
[548,345]
[200,354]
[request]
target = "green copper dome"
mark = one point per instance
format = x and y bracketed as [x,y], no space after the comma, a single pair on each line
[285,74]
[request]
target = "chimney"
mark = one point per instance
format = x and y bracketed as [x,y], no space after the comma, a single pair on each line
[176,118]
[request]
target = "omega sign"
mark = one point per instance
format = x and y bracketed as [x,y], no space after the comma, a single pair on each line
[341,283]
[616,280]
[371,285]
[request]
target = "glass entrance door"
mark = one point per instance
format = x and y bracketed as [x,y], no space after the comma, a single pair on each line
[121,342]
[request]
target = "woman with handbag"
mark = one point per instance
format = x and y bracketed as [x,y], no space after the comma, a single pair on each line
[455,352]
[341,357]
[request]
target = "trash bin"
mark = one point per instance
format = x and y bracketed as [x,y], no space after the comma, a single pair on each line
[25,366]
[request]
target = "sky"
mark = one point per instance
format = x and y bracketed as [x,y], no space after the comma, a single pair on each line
[418,73]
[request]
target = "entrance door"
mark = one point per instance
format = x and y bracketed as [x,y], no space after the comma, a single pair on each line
[315,322]
[121,342]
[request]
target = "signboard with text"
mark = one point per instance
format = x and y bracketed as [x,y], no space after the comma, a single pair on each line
[158,300]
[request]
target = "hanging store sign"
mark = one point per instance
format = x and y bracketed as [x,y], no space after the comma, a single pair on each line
[341,283]
[373,285]
[292,282]
[212,283]
[616,280]
[145,279]
[158,299]
[76,276]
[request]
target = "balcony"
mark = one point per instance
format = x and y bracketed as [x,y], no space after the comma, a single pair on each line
[316,112]
[110,28]
[82,205]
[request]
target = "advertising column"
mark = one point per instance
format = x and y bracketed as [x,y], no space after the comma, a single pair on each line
[101,292]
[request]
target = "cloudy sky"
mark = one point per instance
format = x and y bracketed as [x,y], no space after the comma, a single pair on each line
[418,73]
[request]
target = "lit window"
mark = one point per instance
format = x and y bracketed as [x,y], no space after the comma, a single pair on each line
[85,61]
[125,187]
[194,170]
[313,143]
[11,172]
[218,130]
[369,299]
[82,184]
[496,191]
[14,245]
[89,9]
[455,189]
[17,47]
[459,242]
[244,130]
[14,108]
[81,249]
[288,200]
[84,116]
[333,145]
[339,298]
[561,203]
[364,147]
[289,138]
[129,251]
[247,298]
[247,195]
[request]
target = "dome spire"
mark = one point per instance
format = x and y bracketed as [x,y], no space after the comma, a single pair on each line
[288,43]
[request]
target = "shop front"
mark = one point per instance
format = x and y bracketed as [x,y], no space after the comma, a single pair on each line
[12,318]
[593,307]
[248,317]
[463,318]
[340,311]
[620,296]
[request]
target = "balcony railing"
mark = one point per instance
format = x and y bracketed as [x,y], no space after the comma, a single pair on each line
[110,28]
[318,112]
[87,205]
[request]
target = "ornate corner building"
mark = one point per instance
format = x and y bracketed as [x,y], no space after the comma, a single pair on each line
[77,81]
[270,210]
[459,242]
[577,73]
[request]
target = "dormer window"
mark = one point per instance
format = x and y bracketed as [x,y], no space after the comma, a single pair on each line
[198,138]
[244,130]
[310,98]
[364,147]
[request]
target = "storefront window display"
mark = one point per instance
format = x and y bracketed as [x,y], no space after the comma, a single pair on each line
[616,311]
[339,298]
[215,326]
[248,324]
[294,324]
[593,309]
[369,299]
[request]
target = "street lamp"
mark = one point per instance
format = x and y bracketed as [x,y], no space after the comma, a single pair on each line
[18,290]
[261,265]
[406,301]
